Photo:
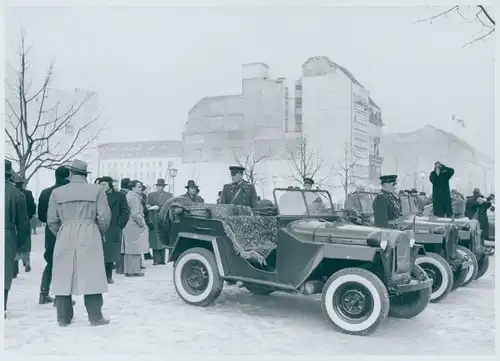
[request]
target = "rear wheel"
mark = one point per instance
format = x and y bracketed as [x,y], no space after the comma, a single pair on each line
[259,290]
[355,301]
[471,272]
[483,265]
[411,304]
[196,277]
[439,270]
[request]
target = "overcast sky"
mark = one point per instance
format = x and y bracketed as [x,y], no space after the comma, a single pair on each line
[151,65]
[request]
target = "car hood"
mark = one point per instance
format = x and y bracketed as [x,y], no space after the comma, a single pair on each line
[432,221]
[323,231]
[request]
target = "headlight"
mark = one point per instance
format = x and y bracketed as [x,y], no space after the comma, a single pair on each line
[377,239]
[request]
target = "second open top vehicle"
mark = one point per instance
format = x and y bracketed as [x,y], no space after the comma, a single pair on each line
[448,264]
[363,273]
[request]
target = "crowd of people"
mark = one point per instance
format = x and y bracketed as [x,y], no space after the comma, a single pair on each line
[85,223]
[92,230]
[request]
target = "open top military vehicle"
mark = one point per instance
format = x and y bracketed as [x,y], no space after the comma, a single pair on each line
[363,273]
[448,264]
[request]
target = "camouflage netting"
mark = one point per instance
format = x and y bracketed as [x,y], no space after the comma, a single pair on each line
[253,237]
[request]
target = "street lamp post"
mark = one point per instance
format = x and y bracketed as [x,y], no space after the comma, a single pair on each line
[173,173]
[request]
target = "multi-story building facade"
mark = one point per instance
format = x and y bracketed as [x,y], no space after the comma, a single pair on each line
[335,113]
[145,161]
[267,122]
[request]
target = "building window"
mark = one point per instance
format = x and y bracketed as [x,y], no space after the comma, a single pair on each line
[198,155]
[147,164]
[154,175]
[128,164]
[141,165]
[159,164]
[114,165]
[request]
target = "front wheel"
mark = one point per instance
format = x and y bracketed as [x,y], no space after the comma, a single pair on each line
[196,277]
[439,270]
[471,272]
[483,265]
[411,304]
[355,301]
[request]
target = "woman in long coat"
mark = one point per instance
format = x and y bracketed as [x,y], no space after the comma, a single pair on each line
[120,215]
[135,241]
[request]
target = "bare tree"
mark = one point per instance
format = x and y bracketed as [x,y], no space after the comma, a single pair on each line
[470,14]
[304,162]
[345,170]
[38,135]
[249,160]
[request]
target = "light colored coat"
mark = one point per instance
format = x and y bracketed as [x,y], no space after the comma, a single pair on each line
[135,235]
[79,215]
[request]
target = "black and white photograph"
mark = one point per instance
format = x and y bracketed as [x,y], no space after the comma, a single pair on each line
[249,179]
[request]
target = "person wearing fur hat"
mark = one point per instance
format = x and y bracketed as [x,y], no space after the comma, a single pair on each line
[16,228]
[120,214]
[386,206]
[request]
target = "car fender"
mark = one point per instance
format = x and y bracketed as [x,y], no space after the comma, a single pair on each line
[181,244]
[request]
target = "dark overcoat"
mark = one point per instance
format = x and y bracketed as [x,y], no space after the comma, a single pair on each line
[16,227]
[120,214]
[243,194]
[474,209]
[43,205]
[386,208]
[156,199]
[441,197]
[31,209]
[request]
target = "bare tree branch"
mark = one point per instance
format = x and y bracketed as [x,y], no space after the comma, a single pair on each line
[482,16]
[305,162]
[249,161]
[346,170]
[42,135]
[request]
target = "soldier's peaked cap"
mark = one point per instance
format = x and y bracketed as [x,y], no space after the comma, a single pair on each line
[308,180]
[236,168]
[391,178]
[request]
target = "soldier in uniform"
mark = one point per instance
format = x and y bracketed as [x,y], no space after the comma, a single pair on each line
[124,182]
[239,192]
[386,206]
[155,201]
[314,201]
[16,228]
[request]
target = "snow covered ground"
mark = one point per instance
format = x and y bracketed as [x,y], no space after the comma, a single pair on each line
[147,317]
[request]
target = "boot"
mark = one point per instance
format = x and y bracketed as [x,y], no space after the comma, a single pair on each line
[44,299]
[148,256]
[27,268]
[101,322]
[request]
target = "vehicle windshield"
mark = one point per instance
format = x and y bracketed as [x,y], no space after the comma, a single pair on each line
[409,203]
[300,202]
[366,202]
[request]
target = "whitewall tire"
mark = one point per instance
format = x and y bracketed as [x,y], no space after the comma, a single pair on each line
[196,277]
[355,301]
[438,269]
[472,270]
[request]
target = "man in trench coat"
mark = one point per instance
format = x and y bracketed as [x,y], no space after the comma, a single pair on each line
[16,227]
[120,214]
[79,216]
[155,201]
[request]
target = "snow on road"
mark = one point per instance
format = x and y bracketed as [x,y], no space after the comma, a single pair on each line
[149,318]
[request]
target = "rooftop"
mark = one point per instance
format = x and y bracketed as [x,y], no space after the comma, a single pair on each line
[146,149]
[212,98]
